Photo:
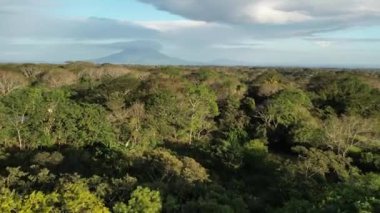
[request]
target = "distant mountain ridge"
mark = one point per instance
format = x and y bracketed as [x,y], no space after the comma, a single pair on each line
[146,52]
[148,56]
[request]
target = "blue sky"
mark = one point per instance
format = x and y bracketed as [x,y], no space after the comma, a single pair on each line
[114,9]
[341,33]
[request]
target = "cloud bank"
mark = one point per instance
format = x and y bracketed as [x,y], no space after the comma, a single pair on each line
[272,11]
[261,32]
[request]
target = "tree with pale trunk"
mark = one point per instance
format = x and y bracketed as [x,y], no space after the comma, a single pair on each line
[346,132]
[10,81]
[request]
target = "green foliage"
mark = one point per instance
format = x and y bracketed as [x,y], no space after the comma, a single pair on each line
[205,74]
[171,71]
[370,161]
[77,198]
[286,108]
[270,75]
[15,177]
[269,83]
[307,132]
[190,118]
[168,118]
[284,117]
[85,124]
[231,116]
[34,202]
[216,199]
[125,138]
[144,200]
[256,147]
[193,172]
[120,208]
[39,202]
[229,149]
[346,95]
[202,105]
[358,195]
[164,166]
[46,158]
[9,201]
[37,117]
[314,162]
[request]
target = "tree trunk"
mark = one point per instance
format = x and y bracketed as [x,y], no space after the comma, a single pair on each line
[19,139]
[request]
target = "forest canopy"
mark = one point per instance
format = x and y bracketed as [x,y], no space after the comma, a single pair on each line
[83,137]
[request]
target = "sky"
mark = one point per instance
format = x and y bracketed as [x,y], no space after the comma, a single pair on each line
[337,33]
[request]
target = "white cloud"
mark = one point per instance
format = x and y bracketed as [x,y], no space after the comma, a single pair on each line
[241,45]
[18,25]
[171,25]
[25,6]
[265,13]
[274,12]
[323,44]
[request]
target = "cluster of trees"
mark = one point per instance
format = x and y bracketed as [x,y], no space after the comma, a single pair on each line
[81,137]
